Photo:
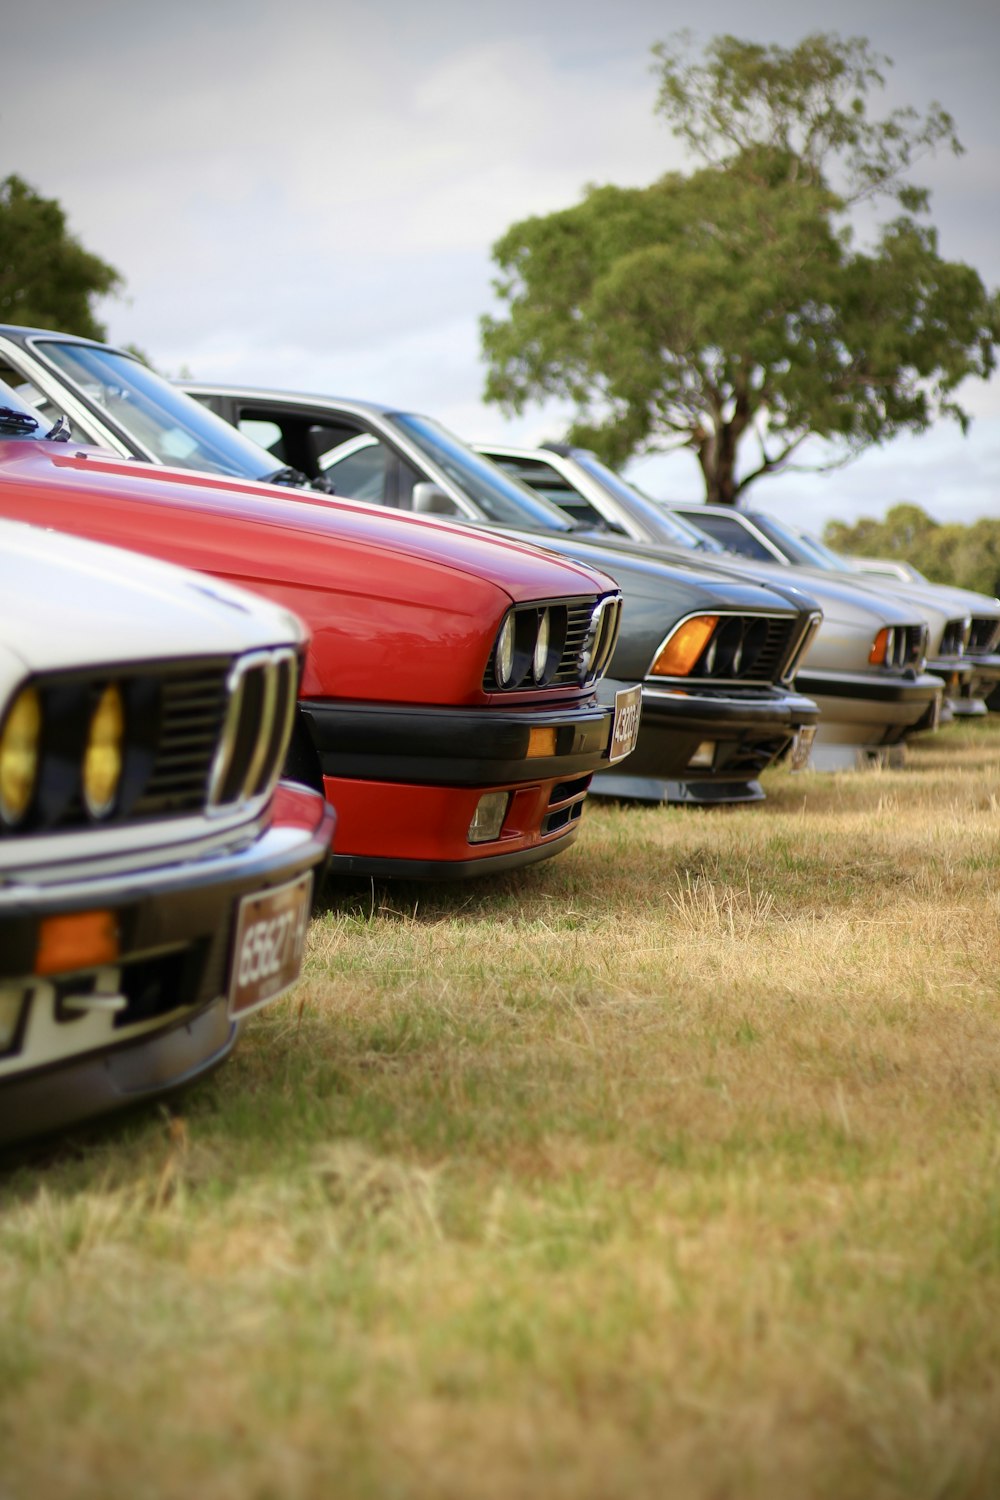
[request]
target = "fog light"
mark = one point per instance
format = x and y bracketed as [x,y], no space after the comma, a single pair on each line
[488,820]
[541,742]
[10,1015]
[703,757]
[78,940]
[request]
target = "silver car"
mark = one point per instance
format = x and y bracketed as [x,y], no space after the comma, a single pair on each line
[964,626]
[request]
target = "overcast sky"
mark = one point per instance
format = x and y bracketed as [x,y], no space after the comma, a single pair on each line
[305,194]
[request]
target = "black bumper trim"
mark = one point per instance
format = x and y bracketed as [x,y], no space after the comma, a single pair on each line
[455,746]
[914,690]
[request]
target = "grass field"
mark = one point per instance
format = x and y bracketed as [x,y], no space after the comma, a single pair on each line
[668,1168]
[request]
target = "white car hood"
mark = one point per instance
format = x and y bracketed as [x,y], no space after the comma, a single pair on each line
[64,600]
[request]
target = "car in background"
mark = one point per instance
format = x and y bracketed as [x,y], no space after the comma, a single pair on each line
[156,879]
[964,642]
[870,686]
[448,704]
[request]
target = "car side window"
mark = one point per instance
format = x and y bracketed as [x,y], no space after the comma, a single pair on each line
[359,468]
[733,536]
[550,484]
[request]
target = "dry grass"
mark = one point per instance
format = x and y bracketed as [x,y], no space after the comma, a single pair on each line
[670,1167]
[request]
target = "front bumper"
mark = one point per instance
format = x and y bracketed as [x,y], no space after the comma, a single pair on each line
[865,711]
[968,684]
[747,728]
[176,926]
[406,782]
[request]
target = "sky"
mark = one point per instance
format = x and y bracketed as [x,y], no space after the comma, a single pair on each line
[305,195]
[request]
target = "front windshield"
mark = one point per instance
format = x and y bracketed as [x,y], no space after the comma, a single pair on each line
[18,420]
[501,498]
[799,548]
[670,528]
[170,425]
[824,555]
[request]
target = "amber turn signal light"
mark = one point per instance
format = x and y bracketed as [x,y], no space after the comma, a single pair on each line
[541,741]
[683,646]
[882,649]
[76,940]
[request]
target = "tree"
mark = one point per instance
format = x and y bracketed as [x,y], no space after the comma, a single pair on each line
[47,278]
[729,307]
[968,556]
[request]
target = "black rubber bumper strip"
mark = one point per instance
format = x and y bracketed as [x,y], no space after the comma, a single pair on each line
[454,746]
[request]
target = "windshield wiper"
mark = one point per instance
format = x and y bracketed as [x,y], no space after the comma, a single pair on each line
[12,420]
[58,432]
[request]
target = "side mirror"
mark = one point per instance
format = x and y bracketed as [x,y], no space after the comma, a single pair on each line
[430,500]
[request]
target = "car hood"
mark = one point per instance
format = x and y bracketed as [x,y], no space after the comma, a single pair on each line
[63,599]
[844,600]
[523,570]
[644,571]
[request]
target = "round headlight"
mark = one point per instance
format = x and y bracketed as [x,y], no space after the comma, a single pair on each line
[19,755]
[505,651]
[102,759]
[541,655]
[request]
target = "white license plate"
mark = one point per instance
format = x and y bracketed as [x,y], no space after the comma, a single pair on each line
[270,938]
[625,731]
[802,745]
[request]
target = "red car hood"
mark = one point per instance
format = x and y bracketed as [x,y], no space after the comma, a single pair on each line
[522,570]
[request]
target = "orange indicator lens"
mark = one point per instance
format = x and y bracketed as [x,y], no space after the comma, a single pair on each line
[681,650]
[77,940]
[541,742]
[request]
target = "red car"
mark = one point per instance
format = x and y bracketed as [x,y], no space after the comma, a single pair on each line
[448,706]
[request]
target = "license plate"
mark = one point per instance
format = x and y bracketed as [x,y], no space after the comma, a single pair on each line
[625,732]
[270,938]
[801,746]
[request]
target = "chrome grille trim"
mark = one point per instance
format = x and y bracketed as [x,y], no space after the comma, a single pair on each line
[254,737]
[574,621]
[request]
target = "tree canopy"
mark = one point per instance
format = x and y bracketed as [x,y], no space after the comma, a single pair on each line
[729,308]
[968,556]
[47,278]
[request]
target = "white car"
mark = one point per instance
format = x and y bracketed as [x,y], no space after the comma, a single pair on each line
[155,877]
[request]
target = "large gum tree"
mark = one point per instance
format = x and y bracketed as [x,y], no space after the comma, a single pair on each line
[734,310]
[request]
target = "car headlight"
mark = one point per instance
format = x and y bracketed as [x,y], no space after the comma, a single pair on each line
[541,654]
[683,647]
[103,755]
[19,755]
[504,654]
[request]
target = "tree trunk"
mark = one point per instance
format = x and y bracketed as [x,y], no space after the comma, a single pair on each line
[717,457]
